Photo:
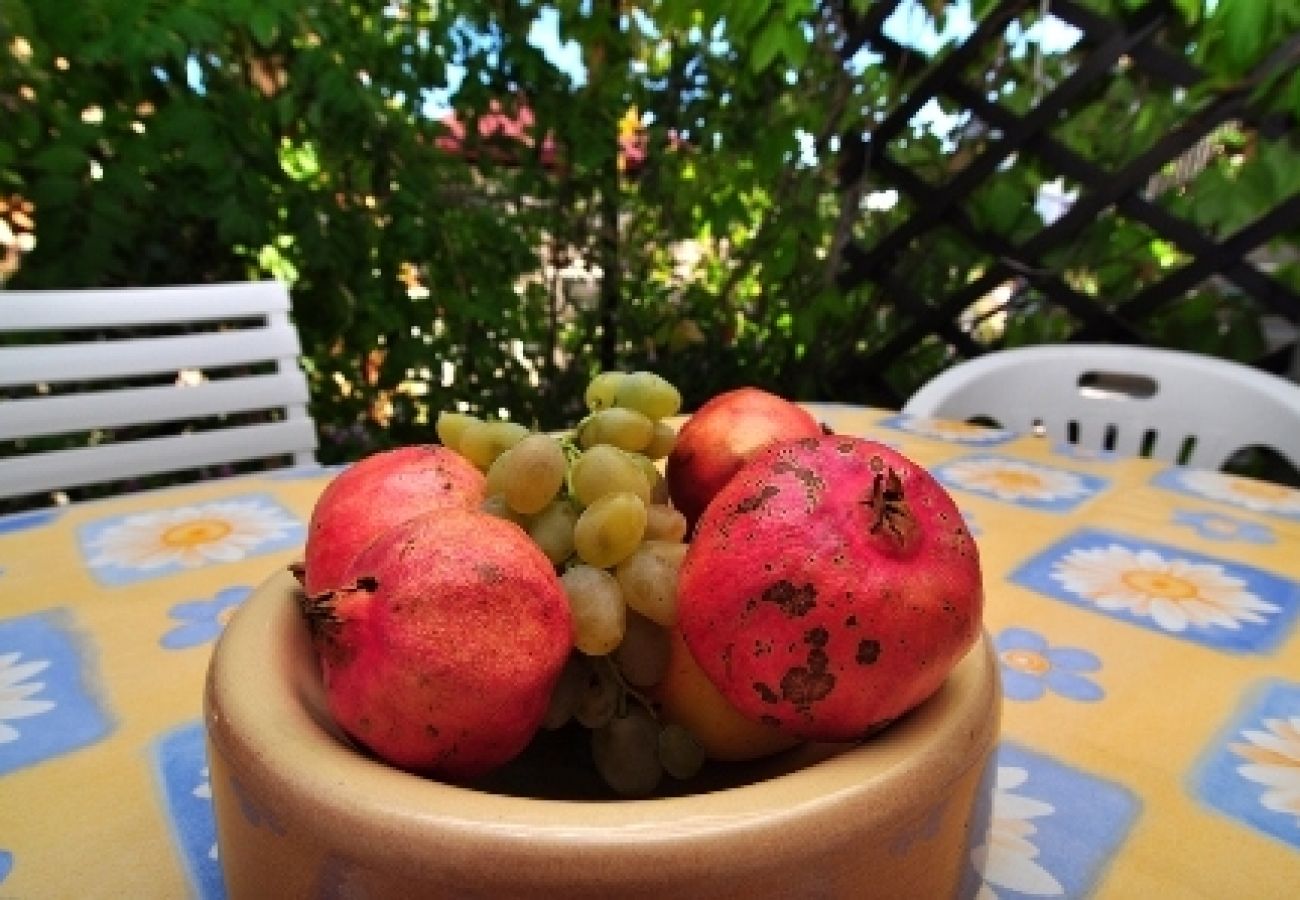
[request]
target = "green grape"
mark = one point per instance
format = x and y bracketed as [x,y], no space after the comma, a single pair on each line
[552,530]
[601,697]
[648,393]
[679,752]
[642,656]
[482,442]
[599,614]
[626,753]
[607,470]
[648,580]
[529,474]
[661,441]
[451,425]
[610,529]
[664,523]
[567,693]
[602,389]
[496,505]
[626,429]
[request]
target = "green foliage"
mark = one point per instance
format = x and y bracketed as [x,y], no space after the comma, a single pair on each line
[207,140]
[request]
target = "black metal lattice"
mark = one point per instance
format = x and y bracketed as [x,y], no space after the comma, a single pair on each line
[1124,189]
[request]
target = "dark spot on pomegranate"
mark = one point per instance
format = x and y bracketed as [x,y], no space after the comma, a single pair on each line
[813,485]
[755,503]
[817,637]
[851,622]
[793,600]
[817,660]
[490,573]
[868,652]
[765,693]
[804,687]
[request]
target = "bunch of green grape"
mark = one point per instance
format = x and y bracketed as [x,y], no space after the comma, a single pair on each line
[595,502]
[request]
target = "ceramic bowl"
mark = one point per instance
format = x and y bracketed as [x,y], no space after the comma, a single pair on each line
[302,813]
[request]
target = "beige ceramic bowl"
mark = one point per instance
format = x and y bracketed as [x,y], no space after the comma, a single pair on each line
[301,813]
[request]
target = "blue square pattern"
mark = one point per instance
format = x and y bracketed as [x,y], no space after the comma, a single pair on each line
[1249,771]
[49,691]
[1021,482]
[1214,602]
[1051,831]
[29,521]
[181,766]
[950,431]
[135,547]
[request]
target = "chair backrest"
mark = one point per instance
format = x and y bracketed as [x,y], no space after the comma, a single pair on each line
[183,378]
[1132,401]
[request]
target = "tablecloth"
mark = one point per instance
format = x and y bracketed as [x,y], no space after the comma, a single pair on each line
[1144,616]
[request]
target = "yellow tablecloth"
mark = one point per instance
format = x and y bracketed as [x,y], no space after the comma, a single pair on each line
[1145,618]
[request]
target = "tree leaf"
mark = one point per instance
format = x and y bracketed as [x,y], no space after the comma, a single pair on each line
[770,42]
[262,23]
[61,159]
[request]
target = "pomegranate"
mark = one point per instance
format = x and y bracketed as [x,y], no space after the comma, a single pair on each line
[717,439]
[376,493]
[831,586]
[441,648]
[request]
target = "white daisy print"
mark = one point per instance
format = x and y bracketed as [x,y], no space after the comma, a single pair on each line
[1273,760]
[189,536]
[1255,495]
[1175,593]
[1008,858]
[952,430]
[1015,480]
[18,694]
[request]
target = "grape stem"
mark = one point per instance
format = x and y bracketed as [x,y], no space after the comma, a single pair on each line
[626,690]
[571,453]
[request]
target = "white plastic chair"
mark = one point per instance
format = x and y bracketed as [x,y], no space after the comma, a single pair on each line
[82,362]
[1131,401]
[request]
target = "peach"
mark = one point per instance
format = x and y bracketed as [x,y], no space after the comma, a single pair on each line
[687,697]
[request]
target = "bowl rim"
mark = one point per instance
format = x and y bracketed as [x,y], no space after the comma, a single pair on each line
[263,683]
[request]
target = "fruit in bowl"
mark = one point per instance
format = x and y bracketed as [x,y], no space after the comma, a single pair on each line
[559,640]
[722,434]
[830,587]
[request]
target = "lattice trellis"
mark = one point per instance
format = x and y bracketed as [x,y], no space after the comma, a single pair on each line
[938,209]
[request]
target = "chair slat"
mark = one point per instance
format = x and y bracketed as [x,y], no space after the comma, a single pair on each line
[90,465]
[246,327]
[140,406]
[1226,405]
[53,310]
[86,361]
